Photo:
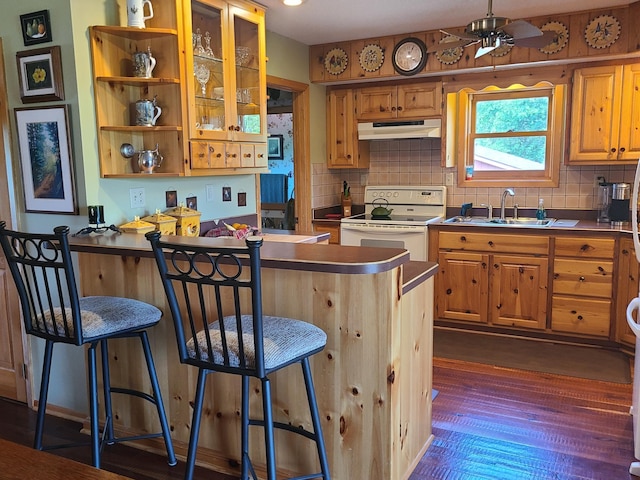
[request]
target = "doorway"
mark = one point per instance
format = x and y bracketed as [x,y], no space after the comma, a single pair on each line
[13,383]
[285,197]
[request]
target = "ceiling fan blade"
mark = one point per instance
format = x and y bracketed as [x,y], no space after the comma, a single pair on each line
[453,44]
[536,42]
[484,50]
[468,36]
[521,29]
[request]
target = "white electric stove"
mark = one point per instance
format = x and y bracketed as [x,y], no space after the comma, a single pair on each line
[411,207]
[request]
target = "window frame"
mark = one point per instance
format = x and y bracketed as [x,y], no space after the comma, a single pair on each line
[464,122]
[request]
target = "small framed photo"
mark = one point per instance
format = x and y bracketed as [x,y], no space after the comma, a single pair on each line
[226,194]
[45,158]
[192,203]
[171,198]
[274,147]
[40,75]
[36,27]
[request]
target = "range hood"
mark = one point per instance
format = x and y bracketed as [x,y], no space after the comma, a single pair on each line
[429,127]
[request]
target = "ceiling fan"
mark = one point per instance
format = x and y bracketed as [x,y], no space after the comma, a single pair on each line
[492,32]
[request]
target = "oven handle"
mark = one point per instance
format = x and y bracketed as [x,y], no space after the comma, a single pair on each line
[385,230]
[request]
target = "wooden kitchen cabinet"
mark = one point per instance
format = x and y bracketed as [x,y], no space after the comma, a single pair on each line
[225,61]
[116,91]
[605,115]
[462,286]
[344,150]
[333,229]
[485,278]
[583,285]
[519,291]
[412,100]
[627,289]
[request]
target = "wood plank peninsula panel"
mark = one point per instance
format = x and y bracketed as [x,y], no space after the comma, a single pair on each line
[373,380]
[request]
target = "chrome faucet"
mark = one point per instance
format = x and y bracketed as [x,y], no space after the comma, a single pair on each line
[507,191]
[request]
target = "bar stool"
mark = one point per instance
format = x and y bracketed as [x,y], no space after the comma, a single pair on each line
[235,339]
[42,269]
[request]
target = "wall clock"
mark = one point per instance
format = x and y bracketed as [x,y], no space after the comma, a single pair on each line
[409,56]
[371,57]
[449,56]
[335,61]
[560,39]
[602,31]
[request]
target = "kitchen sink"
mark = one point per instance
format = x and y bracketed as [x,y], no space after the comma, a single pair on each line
[508,222]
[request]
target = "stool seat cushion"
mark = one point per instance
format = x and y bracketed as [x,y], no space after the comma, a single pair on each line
[103,315]
[285,339]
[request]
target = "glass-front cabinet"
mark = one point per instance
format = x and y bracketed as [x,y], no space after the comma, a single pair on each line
[226,87]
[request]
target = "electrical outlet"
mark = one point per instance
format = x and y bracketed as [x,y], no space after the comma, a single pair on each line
[363,180]
[209,193]
[136,197]
[599,177]
[448,179]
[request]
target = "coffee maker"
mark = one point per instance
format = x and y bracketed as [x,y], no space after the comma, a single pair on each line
[620,199]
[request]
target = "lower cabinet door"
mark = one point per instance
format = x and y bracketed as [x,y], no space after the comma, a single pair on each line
[519,291]
[463,284]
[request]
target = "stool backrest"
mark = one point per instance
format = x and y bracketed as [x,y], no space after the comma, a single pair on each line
[205,284]
[42,270]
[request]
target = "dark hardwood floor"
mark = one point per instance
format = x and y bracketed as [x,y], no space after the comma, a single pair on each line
[489,423]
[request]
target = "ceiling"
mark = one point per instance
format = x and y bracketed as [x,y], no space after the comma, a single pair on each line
[327,21]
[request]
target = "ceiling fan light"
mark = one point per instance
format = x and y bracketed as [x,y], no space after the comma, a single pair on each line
[292,3]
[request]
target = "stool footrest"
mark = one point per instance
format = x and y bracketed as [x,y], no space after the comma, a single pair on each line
[285,426]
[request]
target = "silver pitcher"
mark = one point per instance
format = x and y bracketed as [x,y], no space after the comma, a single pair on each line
[148,160]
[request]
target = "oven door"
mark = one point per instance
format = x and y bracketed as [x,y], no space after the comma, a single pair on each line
[410,237]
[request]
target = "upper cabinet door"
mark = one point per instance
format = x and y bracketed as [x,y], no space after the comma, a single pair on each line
[226,62]
[249,79]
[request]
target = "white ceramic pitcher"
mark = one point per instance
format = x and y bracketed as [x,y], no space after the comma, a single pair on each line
[135,13]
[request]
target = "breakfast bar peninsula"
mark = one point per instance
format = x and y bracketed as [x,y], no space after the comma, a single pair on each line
[373,379]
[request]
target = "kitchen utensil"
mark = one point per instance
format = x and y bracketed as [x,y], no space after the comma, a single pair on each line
[380,210]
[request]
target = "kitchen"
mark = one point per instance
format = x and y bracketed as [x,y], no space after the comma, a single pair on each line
[385,168]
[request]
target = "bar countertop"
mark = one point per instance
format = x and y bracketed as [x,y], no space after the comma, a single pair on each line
[283,255]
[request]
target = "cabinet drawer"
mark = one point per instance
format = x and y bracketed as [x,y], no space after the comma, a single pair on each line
[584,247]
[484,242]
[581,316]
[589,278]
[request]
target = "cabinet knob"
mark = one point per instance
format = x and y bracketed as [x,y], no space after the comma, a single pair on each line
[622,149]
[349,156]
[247,155]
[613,150]
[582,279]
[393,109]
[261,155]
[218,155]
[211,149]
[237,128]
[399,108]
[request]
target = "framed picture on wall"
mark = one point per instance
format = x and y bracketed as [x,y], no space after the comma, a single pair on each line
[36,27]
[275,147]
[45,158]
[40,75]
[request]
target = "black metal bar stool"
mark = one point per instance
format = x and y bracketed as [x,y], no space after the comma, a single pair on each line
[235,339]
[42,269]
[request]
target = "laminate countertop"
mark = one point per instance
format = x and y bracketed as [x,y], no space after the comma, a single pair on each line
[286,255]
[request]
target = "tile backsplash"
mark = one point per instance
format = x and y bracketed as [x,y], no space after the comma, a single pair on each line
[417,162]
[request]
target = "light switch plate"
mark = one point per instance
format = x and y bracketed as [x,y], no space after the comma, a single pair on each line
[136,197]
[209,189]
[448,179]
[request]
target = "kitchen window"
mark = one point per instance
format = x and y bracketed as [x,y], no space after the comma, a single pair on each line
[507,136]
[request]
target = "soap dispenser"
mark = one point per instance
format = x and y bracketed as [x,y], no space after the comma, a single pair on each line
[541,213]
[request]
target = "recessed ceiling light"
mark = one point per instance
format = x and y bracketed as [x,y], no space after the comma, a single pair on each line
[292,3]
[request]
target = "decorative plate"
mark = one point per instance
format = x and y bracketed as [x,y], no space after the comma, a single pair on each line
[602,31]
[560,39]
[371,57]
[501,51]
[450,55]
[335,61]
